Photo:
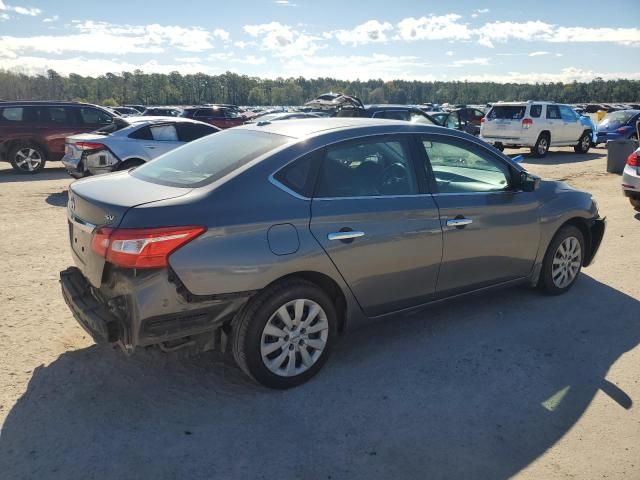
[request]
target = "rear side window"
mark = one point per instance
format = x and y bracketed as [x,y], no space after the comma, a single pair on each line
[297,176]
[12,114]
[210,158]
[187,132]
[392,115]
[143,133]
[203,113]
[58,115]
[536,111]
[553,112]
[351,112]
[507,112]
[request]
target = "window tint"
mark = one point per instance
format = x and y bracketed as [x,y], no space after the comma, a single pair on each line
[188,132]
[367,168]
[93,116]
[13,114]
[209,159]
[143,133]
[535,111]
[296,176]
[553,112]
[392,114]
[351,112]
[453,121]
[507,112]
[203,113]
[567,114]
[164,133]
[58,115]
[459,170]
[417,117]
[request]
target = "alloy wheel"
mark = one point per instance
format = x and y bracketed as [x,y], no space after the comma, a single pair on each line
[294,338]
[566,262]
[28,159]
[586,143]
[542,146]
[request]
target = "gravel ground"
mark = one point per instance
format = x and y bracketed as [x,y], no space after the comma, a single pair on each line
[510,383]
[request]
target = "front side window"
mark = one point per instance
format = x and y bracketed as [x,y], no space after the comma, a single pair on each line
[203,113]
[93,116]
[367,168]
[460,170]
[212,157]
[567,114]
[164,133]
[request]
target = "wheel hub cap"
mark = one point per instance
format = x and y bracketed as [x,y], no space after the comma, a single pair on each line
[28,159]
[294,338]
[566,262]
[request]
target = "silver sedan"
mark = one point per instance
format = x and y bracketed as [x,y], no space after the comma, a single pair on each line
[128,143]
[631,179]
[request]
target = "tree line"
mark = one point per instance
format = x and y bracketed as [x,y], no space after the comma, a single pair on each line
[176,89]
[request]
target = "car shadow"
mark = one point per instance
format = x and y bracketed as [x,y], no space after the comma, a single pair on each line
[554,158]
[9,175]
[58,199]
[472,389]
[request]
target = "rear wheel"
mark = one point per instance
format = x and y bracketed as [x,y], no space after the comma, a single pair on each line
[583,144]
[542,146]
[563,261]
[27,158]
[285,334]
[499,146]
[635,203]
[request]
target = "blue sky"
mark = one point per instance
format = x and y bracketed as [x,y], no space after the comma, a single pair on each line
[521,41]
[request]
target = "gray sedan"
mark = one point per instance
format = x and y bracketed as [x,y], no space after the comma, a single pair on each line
[129,142]
[272,238]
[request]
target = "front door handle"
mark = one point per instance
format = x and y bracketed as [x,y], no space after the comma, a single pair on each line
[150,146]
[342,236]
[459,222]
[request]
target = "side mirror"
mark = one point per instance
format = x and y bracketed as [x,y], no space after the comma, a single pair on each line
[529,182]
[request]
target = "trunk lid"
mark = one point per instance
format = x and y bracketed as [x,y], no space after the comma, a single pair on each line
[71,149]
[102,202]
[504,121]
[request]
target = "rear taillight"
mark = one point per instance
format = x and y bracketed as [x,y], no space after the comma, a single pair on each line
[89,145]
[482,120]
[526,122]
[621,130]
[142,248]
[633,160]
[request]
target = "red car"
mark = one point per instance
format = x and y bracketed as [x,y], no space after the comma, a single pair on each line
[33,132]
[219,116]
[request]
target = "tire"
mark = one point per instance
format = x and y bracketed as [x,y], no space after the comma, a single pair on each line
[555,262]
[584,143]
[27,158]
[256,351]
[541,147]
[499,146]
[131,163]
[635,203]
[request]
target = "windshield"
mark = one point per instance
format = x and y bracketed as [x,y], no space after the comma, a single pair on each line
[206,160]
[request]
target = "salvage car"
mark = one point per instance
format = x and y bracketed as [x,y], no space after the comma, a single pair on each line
[33,132]
[537,125]
[128,143]
[273,238]
[631,180]
[620,125]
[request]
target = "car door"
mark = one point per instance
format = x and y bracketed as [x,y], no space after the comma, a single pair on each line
[555,125]
[490,228]
[59,122]
[380,229]
[157,139]
[570,124]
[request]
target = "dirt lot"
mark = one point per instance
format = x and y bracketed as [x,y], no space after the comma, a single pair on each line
[505,384]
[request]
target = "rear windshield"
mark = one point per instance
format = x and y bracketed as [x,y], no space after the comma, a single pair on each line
[206,160]
[507,112]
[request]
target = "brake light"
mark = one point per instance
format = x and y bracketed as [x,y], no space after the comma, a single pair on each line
[482,120]
[142,248]
[621,130]
[633,160]
[89,145]
[526,122]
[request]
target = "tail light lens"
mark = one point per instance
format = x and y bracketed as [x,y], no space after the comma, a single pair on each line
[526,123]
[89,145]
[482,120]
[633,160]
[621,130]
[142,248]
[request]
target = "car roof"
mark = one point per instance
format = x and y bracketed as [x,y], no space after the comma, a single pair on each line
[138,119]
[4,103]
[313,126]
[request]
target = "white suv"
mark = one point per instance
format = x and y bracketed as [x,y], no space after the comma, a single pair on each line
[538,125]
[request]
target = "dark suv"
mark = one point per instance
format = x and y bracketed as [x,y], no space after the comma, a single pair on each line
[219,116]
[33,132]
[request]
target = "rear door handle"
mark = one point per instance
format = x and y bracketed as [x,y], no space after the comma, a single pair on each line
[345,235]
[459,222]
[150,146]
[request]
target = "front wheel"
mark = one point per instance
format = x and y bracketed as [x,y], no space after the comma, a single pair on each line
[563,261]
[583,144]
[285,334]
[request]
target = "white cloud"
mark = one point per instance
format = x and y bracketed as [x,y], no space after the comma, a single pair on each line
[539,54]
[433,27]
[107,38]
[449,53]
[504,31]
[285,3]
[4,16]
[470,61]
[368,32]
[222,34]
[476,13]
[566,75]
[29,11]
[54,18]
[282,40]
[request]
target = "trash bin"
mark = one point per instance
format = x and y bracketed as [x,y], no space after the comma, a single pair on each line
[617,153]
[601,114]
